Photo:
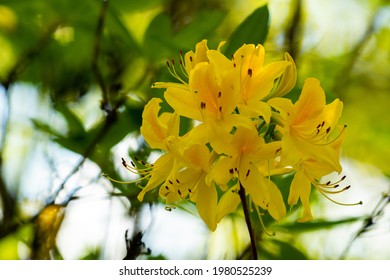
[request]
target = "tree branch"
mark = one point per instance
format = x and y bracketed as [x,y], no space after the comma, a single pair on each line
[242,195]
[95,56]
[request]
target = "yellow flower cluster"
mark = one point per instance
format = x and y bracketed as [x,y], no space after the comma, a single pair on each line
[244,132]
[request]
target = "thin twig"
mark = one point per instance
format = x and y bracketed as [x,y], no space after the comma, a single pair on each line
[242,194]
[344,75]
[368,222]
[109,121]
[96,53]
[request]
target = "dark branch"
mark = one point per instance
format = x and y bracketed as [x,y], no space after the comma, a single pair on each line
[292,34]
[242,195]
[96,54]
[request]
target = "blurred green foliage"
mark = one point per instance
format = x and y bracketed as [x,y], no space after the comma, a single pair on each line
[117,49]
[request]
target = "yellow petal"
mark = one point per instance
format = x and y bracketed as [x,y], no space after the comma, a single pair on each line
[154,129]
[183,102]
[206,203]
[255,185]
[161,170]
[227,204]
[283,105]
[191,58]
[276,207]
[311,101]
[296,186]
[287,81]
[304,196]
[220,63]
[262,84]
[197,156]
[221,172]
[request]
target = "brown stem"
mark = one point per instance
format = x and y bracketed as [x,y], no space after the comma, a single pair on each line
[242,194]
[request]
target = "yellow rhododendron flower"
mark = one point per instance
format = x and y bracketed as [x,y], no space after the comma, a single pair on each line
[245,131]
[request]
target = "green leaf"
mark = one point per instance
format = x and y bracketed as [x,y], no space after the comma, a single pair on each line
[45,128]
[75,125]
[285,251]
[157,39]
[315,225]
[199,28]
[253,30]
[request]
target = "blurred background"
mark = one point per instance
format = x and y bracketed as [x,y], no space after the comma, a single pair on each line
[75,75]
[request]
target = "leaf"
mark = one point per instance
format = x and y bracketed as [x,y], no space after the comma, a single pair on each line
[45,128]
[157,38]
[315,225]
[253,30]
[199,28]
[75,126]
[284,251]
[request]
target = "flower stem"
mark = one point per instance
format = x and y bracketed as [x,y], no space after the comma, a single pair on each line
[242,194]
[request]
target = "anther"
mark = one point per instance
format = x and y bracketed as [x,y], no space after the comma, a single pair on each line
[219,94]
[250,72]
[231,171]
[132,163]
[327,130]
[177,181]
[170,182]
[220,108]
[247,173]
[191,58]
[179,192]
